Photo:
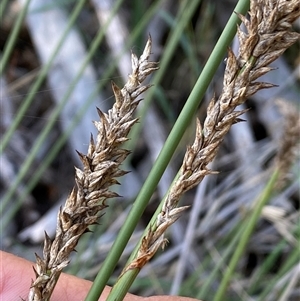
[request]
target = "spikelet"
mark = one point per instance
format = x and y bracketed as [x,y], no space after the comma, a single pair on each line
[268,34]
[101,167]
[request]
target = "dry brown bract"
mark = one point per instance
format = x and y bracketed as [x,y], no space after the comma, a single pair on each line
[267,36]
[101,167]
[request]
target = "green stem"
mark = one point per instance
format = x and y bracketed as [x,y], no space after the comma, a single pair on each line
[206,286]
[166,153]
[175,35]
[291,261]
[262,201]
[8,48]
[3,5]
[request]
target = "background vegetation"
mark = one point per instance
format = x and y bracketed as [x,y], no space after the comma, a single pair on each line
[57,62]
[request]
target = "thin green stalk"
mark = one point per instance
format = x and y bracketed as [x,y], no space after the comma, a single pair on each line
[8,48]
[268,264]
[187,45]
[63,138]
[190,284]
[138,8]
[184,16]
[187,10]
[291,261]
[213,274]
[234,236]
[55,114]
[167,152]
[42,75]
[262,201]
[3,5]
